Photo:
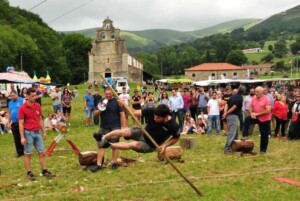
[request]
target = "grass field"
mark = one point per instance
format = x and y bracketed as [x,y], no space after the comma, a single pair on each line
[217,176]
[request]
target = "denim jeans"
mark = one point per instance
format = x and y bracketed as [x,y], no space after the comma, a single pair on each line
[179,115]
[56,107]
[212,119]
[33,138]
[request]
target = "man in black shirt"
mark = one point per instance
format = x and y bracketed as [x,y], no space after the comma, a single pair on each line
[112,118]
[232,110]
[161,128]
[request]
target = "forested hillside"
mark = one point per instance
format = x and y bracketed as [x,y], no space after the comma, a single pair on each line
[24,35]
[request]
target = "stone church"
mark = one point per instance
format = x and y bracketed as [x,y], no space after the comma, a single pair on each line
[109,56]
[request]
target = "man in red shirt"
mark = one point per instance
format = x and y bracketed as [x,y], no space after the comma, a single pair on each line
[30,122]
[260,113]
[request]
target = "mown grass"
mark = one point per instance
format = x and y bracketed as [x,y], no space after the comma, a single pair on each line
[217,176]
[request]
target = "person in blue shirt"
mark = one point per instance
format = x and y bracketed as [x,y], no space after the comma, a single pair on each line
[13,107]
[88,107]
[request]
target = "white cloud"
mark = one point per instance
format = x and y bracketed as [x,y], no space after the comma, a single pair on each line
[151,14]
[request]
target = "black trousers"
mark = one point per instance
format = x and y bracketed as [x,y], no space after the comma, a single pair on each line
[280,123]
[264,129]
[17,138]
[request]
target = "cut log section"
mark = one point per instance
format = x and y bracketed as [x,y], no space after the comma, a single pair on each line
[245,146]
[88,158]
[173,152]
[188,143]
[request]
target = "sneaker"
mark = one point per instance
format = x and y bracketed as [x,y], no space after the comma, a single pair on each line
[245,138]
[114,166]
[9,131]
[284,138]
[47,174]
[30,176]
[97,136]
[95,168]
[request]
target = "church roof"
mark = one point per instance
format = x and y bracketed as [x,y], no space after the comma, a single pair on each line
[214,66]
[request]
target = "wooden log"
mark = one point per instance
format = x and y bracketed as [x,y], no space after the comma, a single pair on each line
[173,152]
[88,158]
[245,146]
[188,143]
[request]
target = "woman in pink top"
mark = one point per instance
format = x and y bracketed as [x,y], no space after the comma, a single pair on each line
[280,111]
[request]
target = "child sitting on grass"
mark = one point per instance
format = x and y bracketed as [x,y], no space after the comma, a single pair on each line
[4,123]
[200,126]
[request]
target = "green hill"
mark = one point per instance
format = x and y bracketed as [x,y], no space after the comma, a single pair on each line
[226,27]
[284,21]
[148,40]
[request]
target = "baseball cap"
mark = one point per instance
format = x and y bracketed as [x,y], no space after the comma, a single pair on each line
[228,87]
[135,90]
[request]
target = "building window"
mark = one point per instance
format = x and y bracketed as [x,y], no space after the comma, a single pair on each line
[213,74]
[224,74]
[107,60]
[193,75]
[234,74]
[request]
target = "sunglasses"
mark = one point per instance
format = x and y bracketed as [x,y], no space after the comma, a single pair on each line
[188,115]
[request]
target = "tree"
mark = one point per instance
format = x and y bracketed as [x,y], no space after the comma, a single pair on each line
[270,48]
[13,44]
[76,48]
[268,58]
[236,57]
[149,62]
[280,48]
[295,47]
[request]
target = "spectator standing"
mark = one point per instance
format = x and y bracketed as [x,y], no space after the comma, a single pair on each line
[88,107]
[246,106]
[164,99]
[226,97]
[136,101]
[280,111]
[124,96]
[193,103]
[23,92]
[30,122]
[66,104]
[56,98]
[143,104]
[13,107]
[294,130]
[112,118]
[203,100]
[176,106]
[213,111]
[260,113]
[186,97]
[39,94]
[75,94]
[97,98]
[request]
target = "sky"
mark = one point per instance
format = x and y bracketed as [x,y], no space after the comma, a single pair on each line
[134,15]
